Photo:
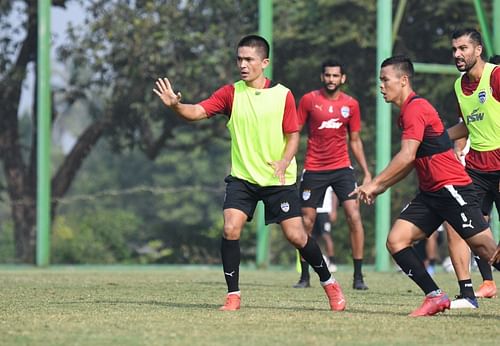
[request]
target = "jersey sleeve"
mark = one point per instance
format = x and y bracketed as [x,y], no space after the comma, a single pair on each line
[355,120]
[290,119]
[495,83]
[303,109]
[220,102]
[413,122]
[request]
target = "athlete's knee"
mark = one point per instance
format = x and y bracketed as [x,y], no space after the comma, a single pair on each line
[298,238]
[396,242]
[232,231]
[294,232]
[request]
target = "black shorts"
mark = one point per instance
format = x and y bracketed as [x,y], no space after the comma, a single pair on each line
[322,224]
[280,202]
[458,205]
[313,186]
[488,188]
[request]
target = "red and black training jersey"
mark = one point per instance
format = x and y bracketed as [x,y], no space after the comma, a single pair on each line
[221,102]
[328,123]
[436,164]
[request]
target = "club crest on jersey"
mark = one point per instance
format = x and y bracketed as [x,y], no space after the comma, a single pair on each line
[306,194]
[285,206]
[482,96]
[345,111]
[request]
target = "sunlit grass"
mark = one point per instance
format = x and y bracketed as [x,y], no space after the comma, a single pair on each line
[178,306]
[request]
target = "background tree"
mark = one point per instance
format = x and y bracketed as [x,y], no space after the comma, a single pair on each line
[112,60]
[126,46]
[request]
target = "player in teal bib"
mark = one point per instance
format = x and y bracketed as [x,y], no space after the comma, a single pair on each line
[264,139]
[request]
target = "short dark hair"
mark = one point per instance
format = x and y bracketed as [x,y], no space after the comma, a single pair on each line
[495,59]
[331,63]
[401,63]
[256,41]
[474,35]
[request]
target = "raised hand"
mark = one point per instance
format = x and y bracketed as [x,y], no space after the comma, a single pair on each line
[166,93]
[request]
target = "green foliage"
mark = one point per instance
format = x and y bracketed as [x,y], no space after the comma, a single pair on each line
[98,237]
[173,206]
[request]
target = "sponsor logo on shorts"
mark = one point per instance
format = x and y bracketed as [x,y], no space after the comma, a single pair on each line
[306,194]
[467,223]
[285,206]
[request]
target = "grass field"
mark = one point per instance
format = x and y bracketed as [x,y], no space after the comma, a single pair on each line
[178,306]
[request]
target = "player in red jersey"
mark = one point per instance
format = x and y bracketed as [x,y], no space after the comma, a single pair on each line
[446,191]
[332,116]
[478,106]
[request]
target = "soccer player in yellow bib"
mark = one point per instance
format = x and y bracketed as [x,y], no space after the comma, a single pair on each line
[263,124]
[478,96]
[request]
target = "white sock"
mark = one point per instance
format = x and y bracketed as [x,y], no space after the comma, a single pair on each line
[434,293]
[331,280]
[235,292]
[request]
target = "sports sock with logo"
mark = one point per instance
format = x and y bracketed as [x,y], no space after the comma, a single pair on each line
[230,253]
[312,254]
[413,267]
[484,267]
[466,289]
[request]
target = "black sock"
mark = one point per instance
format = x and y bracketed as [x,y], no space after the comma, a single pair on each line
[312,254]
[230,253]
[332,259]
[413,267]
[357,268]
[304,270]
[466,289]
[484,267]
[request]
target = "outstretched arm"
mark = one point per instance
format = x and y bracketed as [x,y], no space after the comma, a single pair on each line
[398,168]
[172,100]
[459,130]
[292,145]
[359,154]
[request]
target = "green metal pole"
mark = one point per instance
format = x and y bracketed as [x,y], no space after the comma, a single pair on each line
[484,27]
[397,19]
[435,68]
[266,31]
[383,128]
[496,26]
[43,138]
[495,226]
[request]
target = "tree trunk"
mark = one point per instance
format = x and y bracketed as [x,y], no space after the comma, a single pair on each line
[24,217]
